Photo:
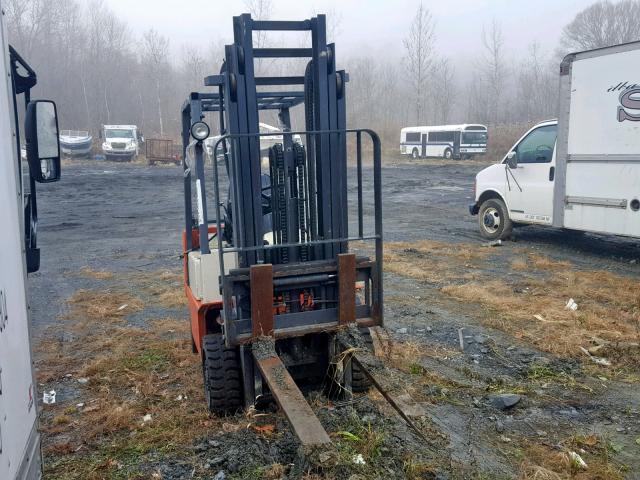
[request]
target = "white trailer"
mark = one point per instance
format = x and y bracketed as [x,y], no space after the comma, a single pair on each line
[19,439]
[581,171]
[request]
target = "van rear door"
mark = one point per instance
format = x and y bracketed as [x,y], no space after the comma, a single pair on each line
[530,185]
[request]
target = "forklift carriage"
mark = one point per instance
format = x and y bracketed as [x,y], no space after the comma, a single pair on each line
[270,279]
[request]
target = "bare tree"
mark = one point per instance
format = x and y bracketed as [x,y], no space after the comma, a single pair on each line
[536,92]
[602,24]
[193,66]
[419,46]
[444,90]
[493,70]
[156,51]
[259,10]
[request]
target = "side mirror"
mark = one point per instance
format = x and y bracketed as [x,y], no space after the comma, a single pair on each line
[42,141]
[512,159]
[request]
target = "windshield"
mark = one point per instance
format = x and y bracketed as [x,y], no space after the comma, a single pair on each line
[118,133]
[474,137]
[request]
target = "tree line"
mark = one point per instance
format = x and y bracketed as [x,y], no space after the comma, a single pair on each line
[99,72]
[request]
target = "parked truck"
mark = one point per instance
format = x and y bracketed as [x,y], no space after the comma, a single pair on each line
[19,254]
[120,142]
[579,172]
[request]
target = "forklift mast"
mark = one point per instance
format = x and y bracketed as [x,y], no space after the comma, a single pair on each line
[286,220]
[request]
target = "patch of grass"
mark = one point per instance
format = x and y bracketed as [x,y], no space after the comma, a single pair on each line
[542,372]
[146,361]
[544,462]
[95,274]
[533,308]
[415,369]
[89,306]
[164,287]
[416,470]
[431,261]
[132,373]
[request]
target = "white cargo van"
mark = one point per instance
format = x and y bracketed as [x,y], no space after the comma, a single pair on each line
[582,171]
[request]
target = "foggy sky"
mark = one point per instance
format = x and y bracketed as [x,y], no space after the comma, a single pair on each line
[374,27]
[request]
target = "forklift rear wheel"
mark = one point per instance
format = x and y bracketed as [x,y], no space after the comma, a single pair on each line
[414,153]
[359,381]
[222,375]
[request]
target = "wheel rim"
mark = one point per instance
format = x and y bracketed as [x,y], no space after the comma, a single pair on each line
[414,154]
[447,154]
[491,220]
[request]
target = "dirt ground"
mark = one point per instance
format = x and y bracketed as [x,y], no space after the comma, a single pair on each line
[112,339]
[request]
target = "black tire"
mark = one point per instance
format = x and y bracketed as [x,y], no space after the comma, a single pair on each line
[415,154]
[222,376]
[448,154]
[493,220]
[359,381]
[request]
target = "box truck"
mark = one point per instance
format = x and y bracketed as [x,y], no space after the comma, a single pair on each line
[19,254]
[120,142]
[581,171]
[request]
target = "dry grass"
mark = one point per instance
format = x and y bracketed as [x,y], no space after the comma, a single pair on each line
[431,261]
[95,274]
[165,287]
[542,462]
[608,309]
[533,308]
[131,372]
[107,305]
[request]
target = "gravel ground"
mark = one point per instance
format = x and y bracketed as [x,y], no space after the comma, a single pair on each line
[126,218]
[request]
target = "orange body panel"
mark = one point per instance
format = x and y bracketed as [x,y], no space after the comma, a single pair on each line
[197,309]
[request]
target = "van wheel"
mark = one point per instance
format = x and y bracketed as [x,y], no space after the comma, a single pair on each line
[448,154]
[494,220]
[414,153]
[222,376]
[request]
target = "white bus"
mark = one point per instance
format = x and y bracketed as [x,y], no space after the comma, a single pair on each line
[446,141]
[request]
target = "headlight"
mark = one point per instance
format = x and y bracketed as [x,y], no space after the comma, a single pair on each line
[106,146]
[131,147]
[200,130]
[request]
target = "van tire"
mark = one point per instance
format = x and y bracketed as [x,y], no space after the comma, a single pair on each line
[415,154]
[493,220]
[222,376]
[448,154]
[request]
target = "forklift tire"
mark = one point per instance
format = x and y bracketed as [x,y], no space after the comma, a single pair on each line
[359,381]
[415,154]
[222,376]
[493,220]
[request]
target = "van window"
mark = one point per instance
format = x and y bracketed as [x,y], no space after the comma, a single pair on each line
[537,147]
[413,137]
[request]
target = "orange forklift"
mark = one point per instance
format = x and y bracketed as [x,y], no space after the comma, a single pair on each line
[270,278]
